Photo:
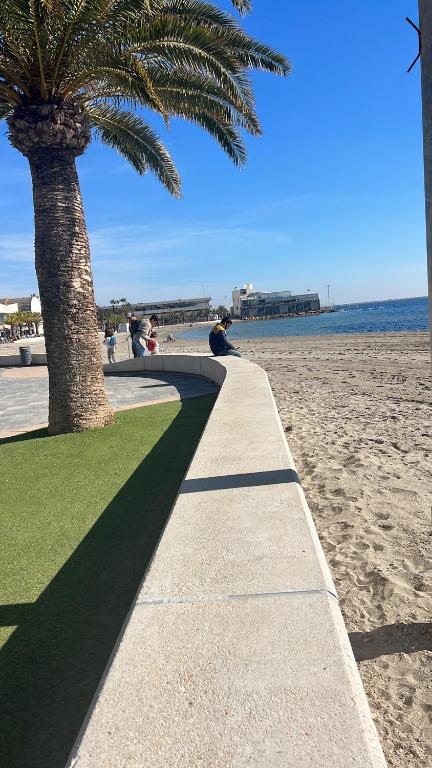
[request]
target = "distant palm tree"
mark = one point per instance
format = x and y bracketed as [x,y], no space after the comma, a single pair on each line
[20,319]
[68,67]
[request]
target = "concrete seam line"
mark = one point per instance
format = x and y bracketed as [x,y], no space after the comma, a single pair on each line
[172,600]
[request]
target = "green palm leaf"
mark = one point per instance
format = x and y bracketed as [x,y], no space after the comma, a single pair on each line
[5,111]
[135,141]
[179,58]
[244,6]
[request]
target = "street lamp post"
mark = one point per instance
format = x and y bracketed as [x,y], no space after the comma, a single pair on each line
[425,23]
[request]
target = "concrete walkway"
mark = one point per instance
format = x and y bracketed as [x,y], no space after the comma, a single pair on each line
[234,654]
[24,394]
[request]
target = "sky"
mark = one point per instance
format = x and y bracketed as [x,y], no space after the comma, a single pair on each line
[332,192]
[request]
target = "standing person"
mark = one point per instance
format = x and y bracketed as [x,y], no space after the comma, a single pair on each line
[142,336]
[133,328]
[218,340]
[110,341]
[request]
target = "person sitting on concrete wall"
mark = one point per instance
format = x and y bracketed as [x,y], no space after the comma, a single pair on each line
[218,340]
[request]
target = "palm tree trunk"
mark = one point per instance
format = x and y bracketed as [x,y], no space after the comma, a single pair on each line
[425,15]
[77,398]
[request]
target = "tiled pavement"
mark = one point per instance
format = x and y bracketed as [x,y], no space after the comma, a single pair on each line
[24,400]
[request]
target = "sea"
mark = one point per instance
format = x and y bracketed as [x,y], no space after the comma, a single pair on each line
[371,317]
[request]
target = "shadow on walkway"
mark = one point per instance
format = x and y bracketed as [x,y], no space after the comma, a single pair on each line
[52,663]
[391,638]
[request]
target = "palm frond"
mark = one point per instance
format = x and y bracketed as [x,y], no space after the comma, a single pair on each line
[5,111]
[136,142]
[180,58]
[77,14]
[182,90]
[225,133]
[244,6]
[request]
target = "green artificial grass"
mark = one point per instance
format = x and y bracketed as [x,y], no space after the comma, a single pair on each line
[80,516]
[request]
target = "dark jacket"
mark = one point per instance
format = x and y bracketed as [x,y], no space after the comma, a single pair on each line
[218,340]
[133,326]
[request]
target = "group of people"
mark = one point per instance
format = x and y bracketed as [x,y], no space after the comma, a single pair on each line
[143,335]
[144,338]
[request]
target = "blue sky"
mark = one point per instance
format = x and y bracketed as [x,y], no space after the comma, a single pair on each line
[332,193]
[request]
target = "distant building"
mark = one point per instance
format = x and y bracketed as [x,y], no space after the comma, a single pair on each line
[9,306]
[177,310]
[22,304]
[238,295]
[275,304]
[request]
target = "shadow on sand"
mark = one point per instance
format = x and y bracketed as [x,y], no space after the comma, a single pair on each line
[391,638]
[54,659]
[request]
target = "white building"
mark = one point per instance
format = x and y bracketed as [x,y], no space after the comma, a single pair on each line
[237,295]
[23,304]
[248,303]
[9,306]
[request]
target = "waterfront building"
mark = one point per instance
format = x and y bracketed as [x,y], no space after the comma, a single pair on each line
[175,311]
[238,295]
[277,303]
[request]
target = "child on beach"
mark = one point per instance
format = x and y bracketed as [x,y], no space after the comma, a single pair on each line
[110,341]
[153,344]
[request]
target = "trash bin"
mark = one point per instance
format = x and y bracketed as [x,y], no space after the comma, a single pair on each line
[25,355]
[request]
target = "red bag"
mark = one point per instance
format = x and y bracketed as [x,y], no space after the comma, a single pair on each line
[151,345]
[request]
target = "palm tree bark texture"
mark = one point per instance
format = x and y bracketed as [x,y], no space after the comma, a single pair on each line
[51,137]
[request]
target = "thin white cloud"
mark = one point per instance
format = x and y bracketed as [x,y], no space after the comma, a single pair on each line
[185,244]
[164,259]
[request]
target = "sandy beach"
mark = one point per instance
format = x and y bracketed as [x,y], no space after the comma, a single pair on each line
[357,410]
[357,413]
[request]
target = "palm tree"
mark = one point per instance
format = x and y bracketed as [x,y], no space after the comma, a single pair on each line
[70,68]
[20,319]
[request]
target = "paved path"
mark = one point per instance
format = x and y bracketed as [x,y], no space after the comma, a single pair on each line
[24,395]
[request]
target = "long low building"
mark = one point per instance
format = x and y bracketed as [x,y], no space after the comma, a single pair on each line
[12,306]
[176,310]
[31,303]
[274,304]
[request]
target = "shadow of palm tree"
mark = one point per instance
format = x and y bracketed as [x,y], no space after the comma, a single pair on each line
[391,638]
[35,434]
[52,663]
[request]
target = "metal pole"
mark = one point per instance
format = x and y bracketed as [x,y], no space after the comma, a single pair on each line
[425,23]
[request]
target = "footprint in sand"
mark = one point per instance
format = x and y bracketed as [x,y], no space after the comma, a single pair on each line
[404,493]
[338,492]
[352,461]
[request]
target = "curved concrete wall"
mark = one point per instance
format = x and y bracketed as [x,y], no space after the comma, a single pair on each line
[235,652]
[6,361]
